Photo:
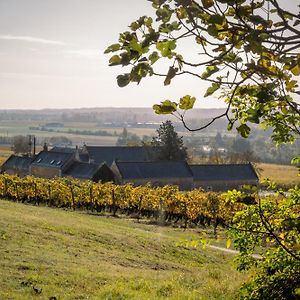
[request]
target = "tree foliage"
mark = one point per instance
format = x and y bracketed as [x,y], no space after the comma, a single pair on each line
[273,226]
[247,50]
[21,144]
[249,53]
[170,146]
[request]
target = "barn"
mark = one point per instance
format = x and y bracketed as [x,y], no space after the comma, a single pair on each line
[223,177]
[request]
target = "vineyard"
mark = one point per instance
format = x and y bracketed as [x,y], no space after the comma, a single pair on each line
[166,203]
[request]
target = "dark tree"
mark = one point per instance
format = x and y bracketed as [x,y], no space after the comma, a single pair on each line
[170,145]
[21,144]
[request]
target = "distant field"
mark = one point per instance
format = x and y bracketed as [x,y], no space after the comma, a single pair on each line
[281,174]
[47,252]
[12,128]
[5,152]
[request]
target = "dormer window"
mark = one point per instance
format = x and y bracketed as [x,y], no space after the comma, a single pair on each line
[39,160]
[52,161]
[59,162]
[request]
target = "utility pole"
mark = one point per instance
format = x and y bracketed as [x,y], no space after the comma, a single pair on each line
[32,142]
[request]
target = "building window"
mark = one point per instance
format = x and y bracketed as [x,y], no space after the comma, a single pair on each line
[59,162]
[52,161]
[39,160]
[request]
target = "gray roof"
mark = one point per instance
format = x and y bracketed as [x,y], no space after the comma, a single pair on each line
[62,149]
[108,154]
[154,169]
[17,163]
[224,172]
[52,159]
[82,170]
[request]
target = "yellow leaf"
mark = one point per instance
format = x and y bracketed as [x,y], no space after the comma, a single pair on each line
[228,243]
[296,70]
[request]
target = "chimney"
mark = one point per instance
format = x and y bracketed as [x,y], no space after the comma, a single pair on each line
[45,147]
[77,157]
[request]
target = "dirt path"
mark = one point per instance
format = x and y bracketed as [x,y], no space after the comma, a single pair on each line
[230,251]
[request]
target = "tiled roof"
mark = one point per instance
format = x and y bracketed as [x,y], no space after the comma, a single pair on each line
[17,162]
[82,170]
[154,169]
[52,159]
[224,172]
[121,153]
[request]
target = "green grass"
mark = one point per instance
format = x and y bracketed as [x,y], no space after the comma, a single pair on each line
[47,252]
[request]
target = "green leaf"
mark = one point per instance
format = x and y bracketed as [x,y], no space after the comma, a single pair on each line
[153,57]
[212,30]
[134,26]
[207,3]
[209,71]
[115,60]
[166,47]
[187,102]
[171,74]
[166,107]
[244,130]
[253,116]
[295,160]
[216,19]
[214,87]
[112,48]
[123,80]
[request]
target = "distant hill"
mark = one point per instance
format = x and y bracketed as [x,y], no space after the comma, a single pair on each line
[101,114]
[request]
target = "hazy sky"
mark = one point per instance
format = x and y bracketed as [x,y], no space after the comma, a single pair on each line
[51,56]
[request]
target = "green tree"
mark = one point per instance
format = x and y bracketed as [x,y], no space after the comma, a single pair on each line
[247,51]
[128,139]
[170,145]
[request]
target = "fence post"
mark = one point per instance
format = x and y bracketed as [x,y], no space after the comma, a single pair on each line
[161,213]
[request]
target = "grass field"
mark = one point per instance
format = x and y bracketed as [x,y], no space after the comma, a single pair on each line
[281,174]
[5,152]
[48,252]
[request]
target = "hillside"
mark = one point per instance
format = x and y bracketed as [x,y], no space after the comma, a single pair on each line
[284,175]
[48,252]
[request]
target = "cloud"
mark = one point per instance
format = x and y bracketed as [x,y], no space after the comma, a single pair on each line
[31,39]
[33,76]
[85,53]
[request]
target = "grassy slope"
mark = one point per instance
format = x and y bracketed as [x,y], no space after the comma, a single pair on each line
[281,174]
[48,252]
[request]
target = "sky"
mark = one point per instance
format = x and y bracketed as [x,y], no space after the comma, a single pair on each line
[52,56]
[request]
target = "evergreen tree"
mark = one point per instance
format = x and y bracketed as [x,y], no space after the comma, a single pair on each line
[170,145]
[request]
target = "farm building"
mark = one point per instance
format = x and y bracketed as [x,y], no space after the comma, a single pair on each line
[130,165]
[16,165]
[107,154]
[223,177]
[157,173]
[89,171]
[49,164]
